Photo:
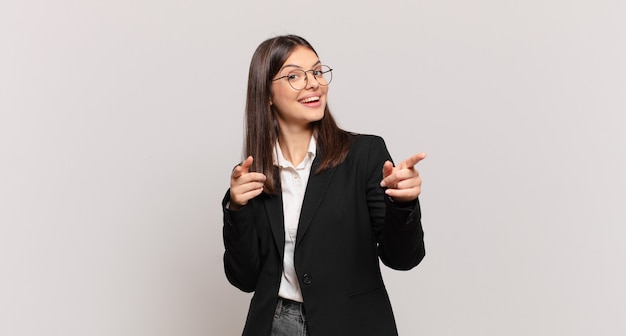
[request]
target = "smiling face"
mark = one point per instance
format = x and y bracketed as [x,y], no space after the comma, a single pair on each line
[298,109]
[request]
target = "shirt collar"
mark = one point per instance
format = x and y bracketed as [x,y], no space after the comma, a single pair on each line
[279,159]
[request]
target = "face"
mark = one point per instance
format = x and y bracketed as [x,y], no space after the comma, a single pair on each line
[298,108]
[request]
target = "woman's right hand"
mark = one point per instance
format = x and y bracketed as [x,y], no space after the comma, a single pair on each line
[244,185]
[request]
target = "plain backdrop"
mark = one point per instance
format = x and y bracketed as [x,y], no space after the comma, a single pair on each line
[120,122]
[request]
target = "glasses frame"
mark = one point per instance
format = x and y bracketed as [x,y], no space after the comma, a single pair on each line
[306,77]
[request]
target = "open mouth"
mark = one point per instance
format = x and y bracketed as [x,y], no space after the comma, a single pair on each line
[310,100]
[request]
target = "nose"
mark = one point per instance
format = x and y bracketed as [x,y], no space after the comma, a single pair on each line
[311,81]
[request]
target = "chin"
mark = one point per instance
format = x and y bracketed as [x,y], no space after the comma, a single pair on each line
[318,116]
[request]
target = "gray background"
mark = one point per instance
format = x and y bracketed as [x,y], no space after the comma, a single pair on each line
[121,120]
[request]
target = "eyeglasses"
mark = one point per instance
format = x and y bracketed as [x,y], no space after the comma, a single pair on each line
[299,80]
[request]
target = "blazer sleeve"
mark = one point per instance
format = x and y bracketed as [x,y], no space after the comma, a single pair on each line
[397,226]
[241,256]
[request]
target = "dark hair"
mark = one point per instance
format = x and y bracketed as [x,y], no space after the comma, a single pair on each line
[262,129]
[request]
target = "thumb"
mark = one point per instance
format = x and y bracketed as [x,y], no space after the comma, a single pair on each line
[387,168]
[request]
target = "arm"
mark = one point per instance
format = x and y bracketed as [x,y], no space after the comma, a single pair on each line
[401,244]
[241,256]
[397,220]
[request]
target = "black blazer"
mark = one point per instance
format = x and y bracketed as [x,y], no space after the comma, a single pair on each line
[346,224]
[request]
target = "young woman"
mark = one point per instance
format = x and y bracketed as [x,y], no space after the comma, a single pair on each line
[313,208]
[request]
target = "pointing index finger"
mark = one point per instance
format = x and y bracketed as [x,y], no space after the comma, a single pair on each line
[243,168]
[413,160]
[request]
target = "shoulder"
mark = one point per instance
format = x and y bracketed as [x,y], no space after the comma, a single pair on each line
[368,148]
[366,142]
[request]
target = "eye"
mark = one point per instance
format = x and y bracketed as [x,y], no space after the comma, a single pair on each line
[318,71]
[293,76]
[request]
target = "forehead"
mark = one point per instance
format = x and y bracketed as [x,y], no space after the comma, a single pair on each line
[301,57]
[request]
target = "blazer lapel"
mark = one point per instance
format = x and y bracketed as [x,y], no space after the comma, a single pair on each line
[315,190]
[274,209]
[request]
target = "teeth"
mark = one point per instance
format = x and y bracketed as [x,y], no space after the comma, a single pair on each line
[310,99]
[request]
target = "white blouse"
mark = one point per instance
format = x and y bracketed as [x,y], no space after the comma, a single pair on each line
[293,182]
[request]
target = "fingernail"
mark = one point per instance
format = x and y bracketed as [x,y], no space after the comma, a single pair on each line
[382,183]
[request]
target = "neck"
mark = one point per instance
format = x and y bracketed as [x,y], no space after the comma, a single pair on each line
[294,145]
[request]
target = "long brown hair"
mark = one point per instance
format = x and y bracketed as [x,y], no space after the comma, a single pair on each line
[262,130]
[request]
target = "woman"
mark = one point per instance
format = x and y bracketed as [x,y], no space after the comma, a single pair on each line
[313,207]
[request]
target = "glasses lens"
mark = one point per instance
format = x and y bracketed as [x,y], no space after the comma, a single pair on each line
[297,79]
[324,75]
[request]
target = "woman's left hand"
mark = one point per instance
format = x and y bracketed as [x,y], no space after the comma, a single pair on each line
[403,182]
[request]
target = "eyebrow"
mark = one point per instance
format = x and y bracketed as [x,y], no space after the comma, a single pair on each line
[297,66]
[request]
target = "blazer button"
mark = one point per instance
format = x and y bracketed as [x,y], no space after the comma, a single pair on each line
[307,279]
